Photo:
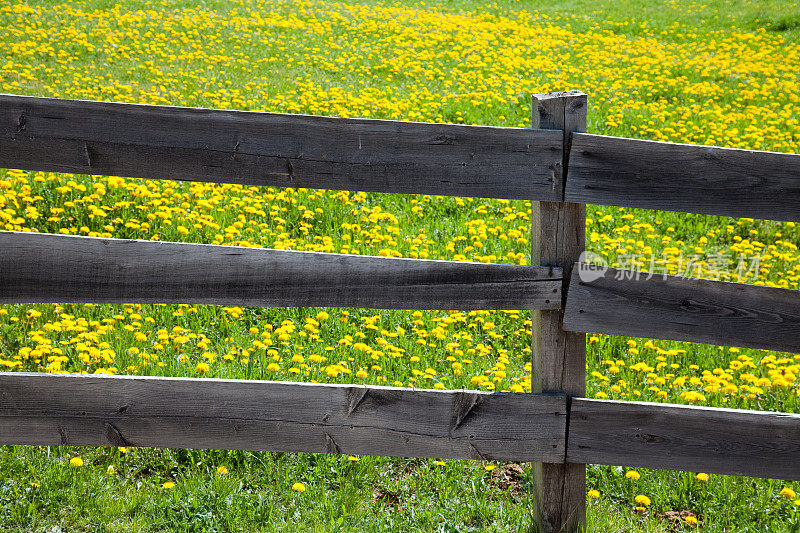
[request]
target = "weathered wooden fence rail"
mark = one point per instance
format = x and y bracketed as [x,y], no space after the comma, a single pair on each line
[555,426]
[261,415]
[684,177]
[144,141]
[64,268]
[685,309]
[684,437]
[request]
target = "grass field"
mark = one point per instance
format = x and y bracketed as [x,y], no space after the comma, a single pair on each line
[722,73]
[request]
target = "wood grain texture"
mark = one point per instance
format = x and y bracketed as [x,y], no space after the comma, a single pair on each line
[60,268]
[249,148]
[623,302]
[681,437]
[83,410]
[683,177]
[559,357]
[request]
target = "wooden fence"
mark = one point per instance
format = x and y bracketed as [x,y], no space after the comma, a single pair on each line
[555,165]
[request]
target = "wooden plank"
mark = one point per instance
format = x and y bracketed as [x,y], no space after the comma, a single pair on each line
[683,177]
[682,437]
[62,268]
[88,410]
[559,357]
[623,302]
[281,150]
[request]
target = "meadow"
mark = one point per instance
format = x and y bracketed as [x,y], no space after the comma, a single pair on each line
[720,73]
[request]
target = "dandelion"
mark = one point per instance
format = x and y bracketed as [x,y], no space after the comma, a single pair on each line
[641,499]
[76,462]
[222,470]
[353,459]
[632,474]
[593,494]
[702,477]
[168,485]
[691,520]
[788,493]
[202,367]
[298,487]
[489,468]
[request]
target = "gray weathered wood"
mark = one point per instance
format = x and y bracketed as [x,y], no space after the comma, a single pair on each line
[623,302]
[683,177]
[681,437]
[79,409]
[251,148]
[61,268]
[559,357]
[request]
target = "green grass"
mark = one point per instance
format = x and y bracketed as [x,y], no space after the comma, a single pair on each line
[374,494]
[247,60]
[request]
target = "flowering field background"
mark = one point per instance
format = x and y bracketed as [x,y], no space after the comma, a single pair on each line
[711,72]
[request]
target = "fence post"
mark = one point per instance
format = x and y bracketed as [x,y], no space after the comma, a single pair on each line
[559,357]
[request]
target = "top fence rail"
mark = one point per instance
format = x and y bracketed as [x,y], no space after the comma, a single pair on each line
[269,149]
[683,177]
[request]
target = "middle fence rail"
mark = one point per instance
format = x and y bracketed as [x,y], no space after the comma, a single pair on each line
[660,306]
[78,269]
[558,167]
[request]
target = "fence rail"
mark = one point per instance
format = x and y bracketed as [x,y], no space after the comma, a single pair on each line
[560,431]
[625,302]
[249,148]
[61,268]
[81,410]
[683,177]
[683,437]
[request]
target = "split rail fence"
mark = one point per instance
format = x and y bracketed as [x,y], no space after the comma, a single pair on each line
[556,165]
